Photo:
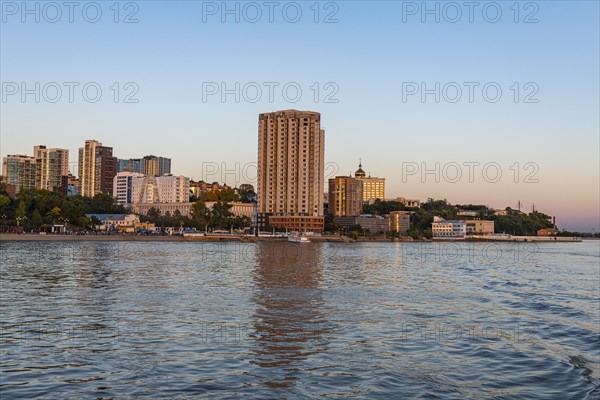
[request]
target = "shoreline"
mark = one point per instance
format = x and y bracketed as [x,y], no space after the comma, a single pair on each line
[34,237]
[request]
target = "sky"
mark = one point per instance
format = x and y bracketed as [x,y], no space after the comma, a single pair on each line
[491,103]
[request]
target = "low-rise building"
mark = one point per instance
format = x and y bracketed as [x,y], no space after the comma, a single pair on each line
[547,232]
[409,203]
[119,222]
[300,223]
[448,229]
[374,223]
[479,227]
[237,209]
[162,208]
[184,209]
[467,213]
[199,189]
[399,221]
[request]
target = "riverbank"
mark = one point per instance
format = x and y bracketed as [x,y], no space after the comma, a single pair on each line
[34,237]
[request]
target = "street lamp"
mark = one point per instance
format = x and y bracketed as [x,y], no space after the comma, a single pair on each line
[66,221]
[19,219]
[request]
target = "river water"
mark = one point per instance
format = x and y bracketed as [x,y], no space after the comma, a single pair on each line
[284,320]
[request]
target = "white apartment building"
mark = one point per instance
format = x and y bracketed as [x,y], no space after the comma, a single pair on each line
[448,229]
[123,186]
[133,187]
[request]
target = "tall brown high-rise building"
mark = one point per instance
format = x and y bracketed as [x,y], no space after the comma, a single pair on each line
[97,168]
[345,196]
[291,169]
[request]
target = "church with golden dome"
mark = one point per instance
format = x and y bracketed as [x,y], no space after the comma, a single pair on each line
[373,188]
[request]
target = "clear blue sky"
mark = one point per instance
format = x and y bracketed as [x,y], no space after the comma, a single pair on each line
[368,54]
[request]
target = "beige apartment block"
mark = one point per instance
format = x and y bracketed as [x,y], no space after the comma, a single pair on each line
[291,166]
[21,171]
[54,168]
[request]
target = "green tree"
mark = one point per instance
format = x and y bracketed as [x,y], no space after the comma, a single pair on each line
[220,216]
[21,210]
[200,214]
[4,201]
[224,194]
[55,213]
[36,218]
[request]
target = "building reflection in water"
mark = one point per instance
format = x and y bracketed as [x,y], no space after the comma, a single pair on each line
[290,322]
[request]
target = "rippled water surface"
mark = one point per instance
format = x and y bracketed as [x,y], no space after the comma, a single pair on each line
[278,320]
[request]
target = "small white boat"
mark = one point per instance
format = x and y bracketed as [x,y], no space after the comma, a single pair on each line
[296,238]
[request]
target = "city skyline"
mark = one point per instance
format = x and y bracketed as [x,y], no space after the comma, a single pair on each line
[359,173]
[375,116]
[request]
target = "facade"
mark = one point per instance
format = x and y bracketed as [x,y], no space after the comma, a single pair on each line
[374,223]
[157,166]
[162,208]
[373,188]
[97,168]
[54,168]
[479,227]
[291,169]
[120,222]
[72,185]
[173,189]
[123,187]
[161,189]
[149,165]
[200,188]
[410,203]
[297,223]
[448,229]
[399,221]
[20,171]
[547,232]
[237,209]
[345,196]
[467,213]
[129,165]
